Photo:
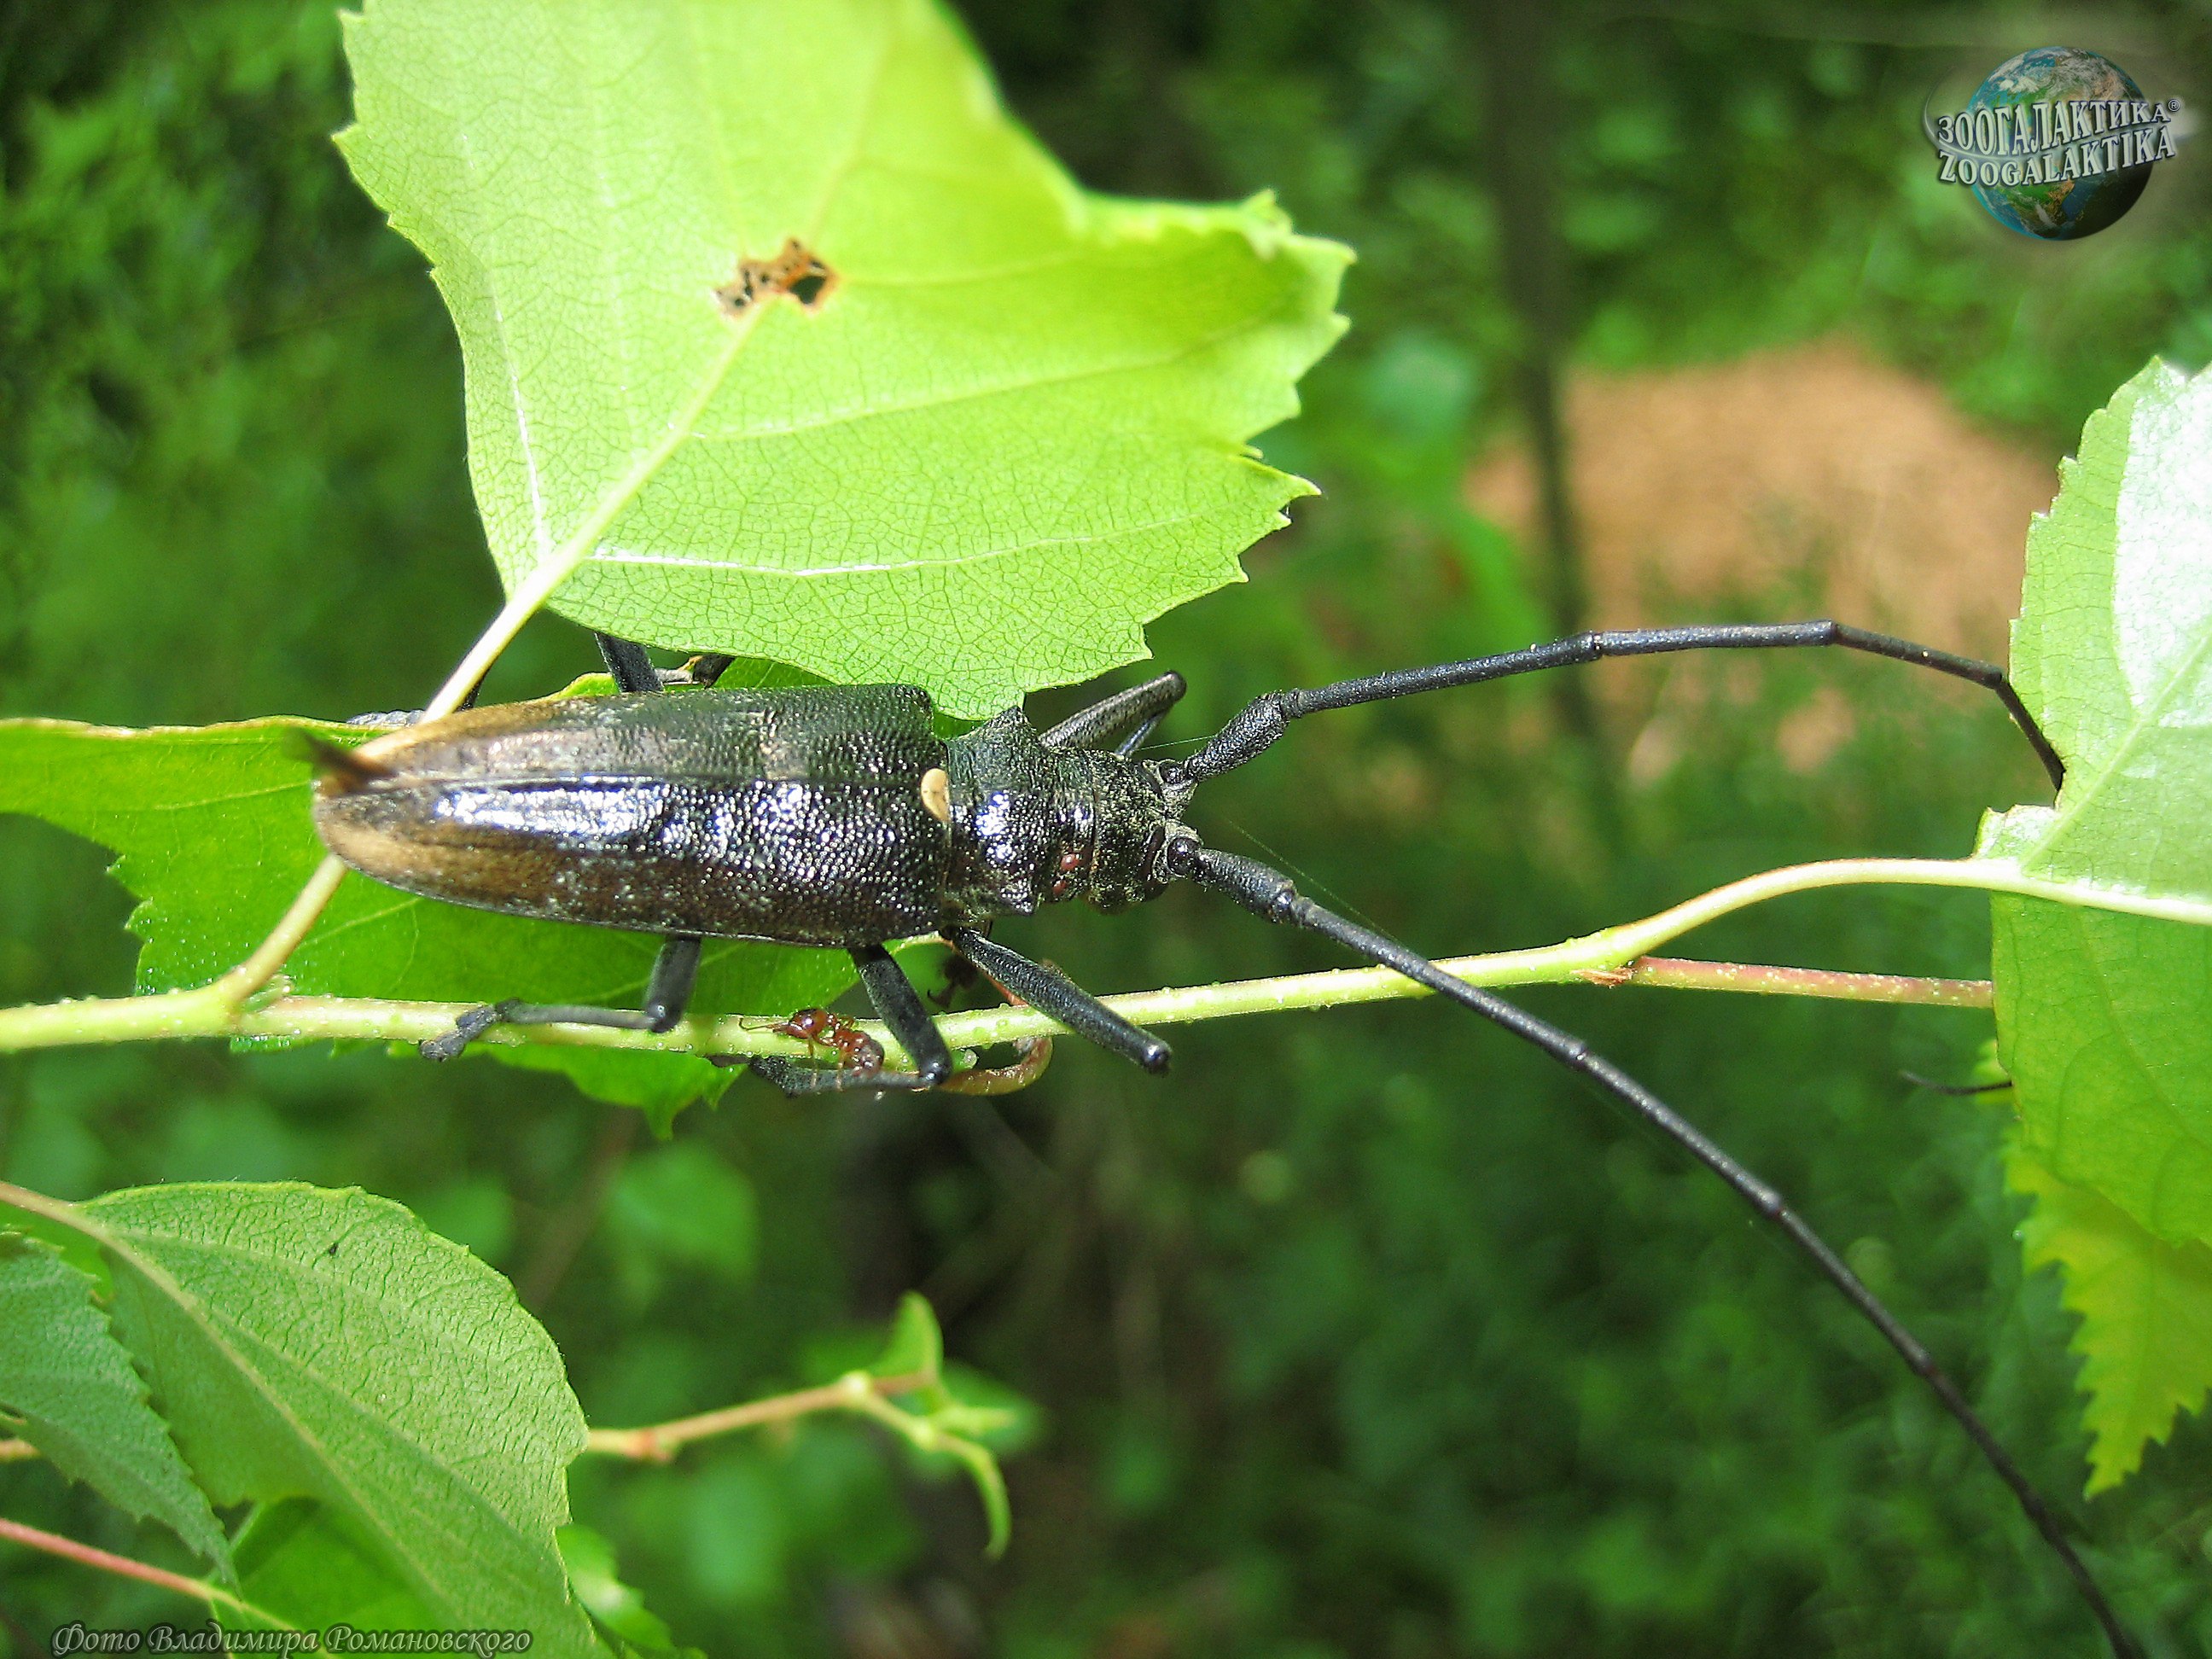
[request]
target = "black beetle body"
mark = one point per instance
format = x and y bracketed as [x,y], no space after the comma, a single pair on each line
[816,815]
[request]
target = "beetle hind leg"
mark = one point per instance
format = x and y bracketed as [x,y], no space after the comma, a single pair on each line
[667,993]
[795,1079]
[467,1030]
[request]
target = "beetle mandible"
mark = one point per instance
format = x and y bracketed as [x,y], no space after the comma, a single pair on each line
[834,816]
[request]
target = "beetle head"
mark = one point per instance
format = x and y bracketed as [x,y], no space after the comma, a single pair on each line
[1119,856]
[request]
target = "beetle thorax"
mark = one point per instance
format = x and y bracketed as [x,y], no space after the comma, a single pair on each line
[1031,826]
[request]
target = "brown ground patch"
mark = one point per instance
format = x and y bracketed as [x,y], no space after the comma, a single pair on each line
[1815,476]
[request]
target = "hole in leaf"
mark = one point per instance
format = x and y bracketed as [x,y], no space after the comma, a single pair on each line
[795,270]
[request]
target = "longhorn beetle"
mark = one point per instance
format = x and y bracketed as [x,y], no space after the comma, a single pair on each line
[833,816]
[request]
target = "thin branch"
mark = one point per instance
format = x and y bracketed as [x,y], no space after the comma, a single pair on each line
[308,1018]
[18,1451]
[124,1567]
[854,1391]
[197,1014]
[258,970]
[1672,973]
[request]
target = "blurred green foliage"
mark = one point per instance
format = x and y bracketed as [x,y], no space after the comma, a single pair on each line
[1365,1333]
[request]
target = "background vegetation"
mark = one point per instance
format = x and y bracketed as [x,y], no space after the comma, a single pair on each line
[1365,1333]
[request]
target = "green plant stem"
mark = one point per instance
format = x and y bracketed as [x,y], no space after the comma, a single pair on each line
[123,1567]
[854,1391]
[207,1012]
[928,1435]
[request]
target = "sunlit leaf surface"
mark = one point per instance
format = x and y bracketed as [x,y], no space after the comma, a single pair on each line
[325,1345]
[783,338]
[63,1372]
[2105,1021]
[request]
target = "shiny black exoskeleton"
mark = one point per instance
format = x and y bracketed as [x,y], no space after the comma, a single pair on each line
[836,816]
[815,815]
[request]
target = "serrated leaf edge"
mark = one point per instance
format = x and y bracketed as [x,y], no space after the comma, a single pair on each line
[220,1556]
[74,1216]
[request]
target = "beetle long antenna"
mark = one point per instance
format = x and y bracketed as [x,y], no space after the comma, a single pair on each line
[1262,721]
[1270,895]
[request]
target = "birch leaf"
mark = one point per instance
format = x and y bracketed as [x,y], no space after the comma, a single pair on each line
[2105,1020]
[781,338]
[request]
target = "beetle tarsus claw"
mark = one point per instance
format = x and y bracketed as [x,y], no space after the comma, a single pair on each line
[467,1030]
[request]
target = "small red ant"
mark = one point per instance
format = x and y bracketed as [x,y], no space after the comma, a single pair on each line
[817,1027]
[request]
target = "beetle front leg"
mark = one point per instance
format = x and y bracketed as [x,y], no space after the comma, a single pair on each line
[1121,721]
[667,994]
[1048,991]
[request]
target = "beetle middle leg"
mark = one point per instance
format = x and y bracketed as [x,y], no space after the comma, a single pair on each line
[634,673]
[901,1007]
[1043,986]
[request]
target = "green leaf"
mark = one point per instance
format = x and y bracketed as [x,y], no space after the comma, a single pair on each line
[64,1374]
[2146,1308]
[1005,1421]
[214,836]
[327,1345]
[2104,1026]
[618,1608]
[2105,1020]
[917,1346]
[1009,431]
[963,1418]
[301,1567]
[2114,647]
[982,1466]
